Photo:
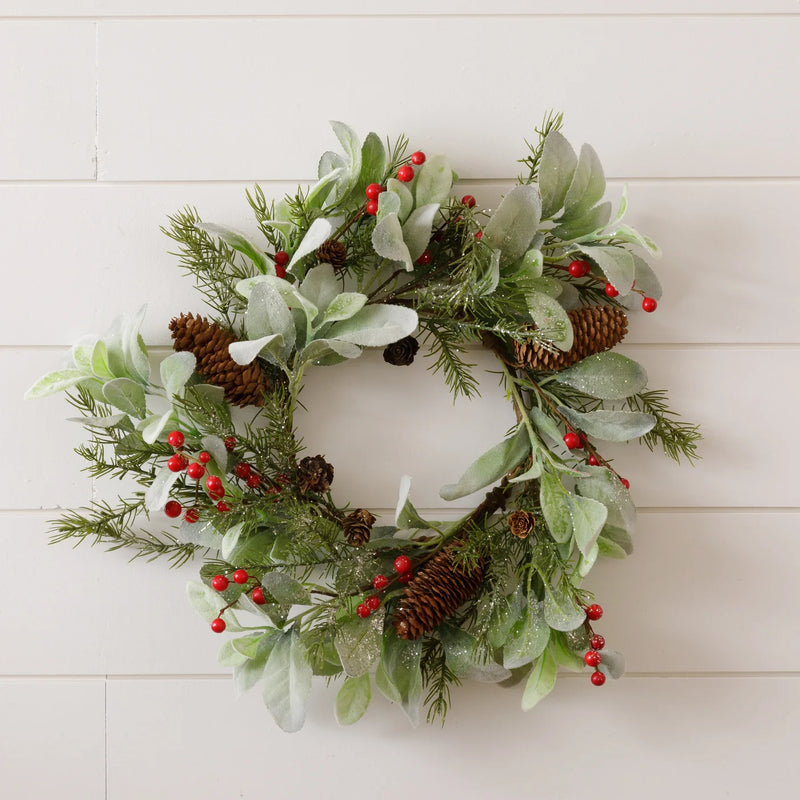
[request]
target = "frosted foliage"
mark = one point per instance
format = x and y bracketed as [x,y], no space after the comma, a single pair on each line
[358,643]
[561,611]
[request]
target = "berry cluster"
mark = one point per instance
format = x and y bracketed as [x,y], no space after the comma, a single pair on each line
[240,576]
[592,657]
[583,269]
[402,566]
[578,441]
[405,174]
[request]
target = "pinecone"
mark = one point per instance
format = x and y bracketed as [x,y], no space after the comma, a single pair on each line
[521,523]
[243,385]
[402,352]
[332,252]
[315,474]
[358,527]
[435,593]
[596,328]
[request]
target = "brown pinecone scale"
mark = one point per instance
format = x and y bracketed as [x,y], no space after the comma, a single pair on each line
[596,328]
[314,474]
[435,593]
[357,527]
[244,385]
[332,252]
[521,523]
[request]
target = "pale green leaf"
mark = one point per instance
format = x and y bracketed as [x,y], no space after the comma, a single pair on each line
[556,169]
[612,663]
[344,306]
[54,382]
[285,589]
[616,264]
[228,656]
[376,326]
[215,446]
[628,234]
[204,600]
[587,186]
[154,426]
[417,229]
[230,540]
[126,395]
[351,145]
[318,232]
[319,286]
[245,352]
[404,193]
[506,613]
[513,225]
[608,376]
[531,265]
[588,518]
[287,681]
[238,241]
[564,654]
[373,163]
[556,511]
[603,485]
[100,366]
[268,314]
[405,515]
[157,494]
[434,181]
[646,280]
[388,203]
[491,466]
[352,700]
[528,637]
[465,659]
[358,643]
[402,673]
[321,349]
[561,611]
[387,239]
[176,369]
[610,426]
[540,682]
[81,354]
[593,220]
[551,319]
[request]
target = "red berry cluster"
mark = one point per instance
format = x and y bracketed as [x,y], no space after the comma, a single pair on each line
[281,259]
[592,657]
[581,269]
[240,576]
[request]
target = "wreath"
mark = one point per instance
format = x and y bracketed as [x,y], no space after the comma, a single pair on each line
[379,254]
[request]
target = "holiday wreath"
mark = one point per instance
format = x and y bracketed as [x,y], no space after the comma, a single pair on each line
[375,252]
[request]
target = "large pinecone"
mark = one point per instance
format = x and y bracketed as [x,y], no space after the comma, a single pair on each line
[243,385]
[435,593]
[401,353]
[357,527]
[596,328]
[332,252]
[314,474]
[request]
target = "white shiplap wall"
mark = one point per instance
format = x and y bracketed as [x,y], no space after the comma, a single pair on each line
[113,114]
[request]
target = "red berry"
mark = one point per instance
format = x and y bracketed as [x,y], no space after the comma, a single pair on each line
[373,190]
[380,582]
[192,515]
[418,158]
[610,290]
[425,258]
[373,602]
[649,304]
[598,642]
[230,443]
[405,173]
[204,457]
[598,679]
[372,207]
[363,611]
[593,462]
[579,268]
[176,439]
[195,471]
[592,658]
[479,235]
[219,583]
[214,484]
[254,481]
[173,508]
[218,625]
[280,272]
[572,440]
[272,490]
[594,611]
[242,470]
[258,596]
[283,480]
[176,463]
[241,576]
[223,507]
[406,578]
[402,564]
[281,258]
[468,200]
[625,482]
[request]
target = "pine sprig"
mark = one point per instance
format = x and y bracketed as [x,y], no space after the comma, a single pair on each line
[552,122]
[438,679]
[676,438]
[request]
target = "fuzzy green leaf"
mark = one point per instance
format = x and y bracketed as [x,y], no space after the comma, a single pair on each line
[321,349]
[463,658]
[287,681]
[528,638]
[513,225]
[612,664]
[268,314]
[603,485]
[561,611]
[555,507]
[238,241]
[594,219]
[54,382]
[358,643]
[434,181]
[319,286]
[405,515]
[608,376]
[319,231]
[126,395]
[587,186]
[245,352]
[285,589]
[588,518]
[610,426]
[556,169]
[376,326]
[230,540]
[352,700]
[387,239]
[373,163]
[157,494]
[491,466]
[540,682]
[646,280]
[154,426]
[615,263]
[404,193]
[388,203]
[176,369]
[351,145]
[344,306]
[402,672]
[505,615]
[417,229]
[551,318]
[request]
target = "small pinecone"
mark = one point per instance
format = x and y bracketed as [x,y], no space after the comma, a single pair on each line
[315,474]
[402,352]
[358,527]
[244,385]
[596,328]
[521,523]
[332,252]
[435,593]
